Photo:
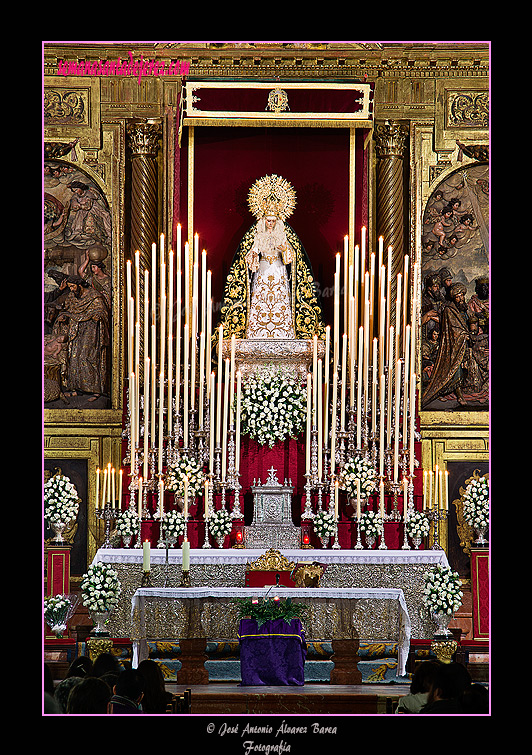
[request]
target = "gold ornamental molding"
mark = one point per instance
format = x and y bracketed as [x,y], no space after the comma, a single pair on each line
[278,109]
[272,560]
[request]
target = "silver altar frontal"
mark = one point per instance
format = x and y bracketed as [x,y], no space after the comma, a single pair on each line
[226,567]
[272,515]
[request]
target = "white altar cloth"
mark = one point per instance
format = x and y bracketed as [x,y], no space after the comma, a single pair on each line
[247,555]
[144,594]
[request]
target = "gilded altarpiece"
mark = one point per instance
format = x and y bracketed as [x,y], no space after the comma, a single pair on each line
[83,230]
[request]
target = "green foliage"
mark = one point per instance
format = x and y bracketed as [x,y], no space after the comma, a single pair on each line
[269,610]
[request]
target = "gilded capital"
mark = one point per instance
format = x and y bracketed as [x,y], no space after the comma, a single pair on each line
[144,138]
[390,139]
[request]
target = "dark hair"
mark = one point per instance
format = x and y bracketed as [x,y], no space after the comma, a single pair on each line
[129,684]
[155,697]
[80,666]
[451,680]
[91,695]
[106,663]
[423,677]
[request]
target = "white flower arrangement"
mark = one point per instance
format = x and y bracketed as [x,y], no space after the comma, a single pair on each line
[443,591]
[418,524]
[477,502]
[173,523]
[220,523]
[361,469]
[371,523]
[57,611]
[61,502]
[100,588]
[324,524]
[127,523]
[273,407]
[185,467]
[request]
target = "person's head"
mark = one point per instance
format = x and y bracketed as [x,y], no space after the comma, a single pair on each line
[130,685]
[63,689]
[151,673]
[450,681]
[270,221]
[423,676]
[106,663]
[80,666]
[91,695]
[475,699]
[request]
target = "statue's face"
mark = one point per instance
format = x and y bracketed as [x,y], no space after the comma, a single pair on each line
[270,223]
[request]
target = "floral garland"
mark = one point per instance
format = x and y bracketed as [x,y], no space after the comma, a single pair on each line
[185,467]
[100,588]
[127,523]
[418,524]
[273,407]
[57,611]
[220,523]
[173,523]
[477,503]
[324,524]
[443,592]
[371,523]
[61,502]
[361,469]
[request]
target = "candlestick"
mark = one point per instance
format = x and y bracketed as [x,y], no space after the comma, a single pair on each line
[224,428]
[219,390]
[320,421]
[212,407]
[344,382]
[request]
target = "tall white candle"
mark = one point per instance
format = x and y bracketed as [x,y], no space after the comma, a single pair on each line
[406,385]
[201,380]
[320,420]
[382,435]
[412,421]
[225,413]
[185,548]
[161,422]
[309,423]
[146,415]
[232,380]
[146,556]
[212,407]
[170,338]
[396,423]
[360,367]
[333,423]
[314,378]
[219,389]
[98,488]
[120,486]
[327,389]
[344,381]
[186,360]
[208,337]
[238,410]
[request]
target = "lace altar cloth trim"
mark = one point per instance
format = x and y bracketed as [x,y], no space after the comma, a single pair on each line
[212,613]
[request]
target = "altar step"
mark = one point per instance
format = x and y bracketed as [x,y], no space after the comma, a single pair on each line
[378,662]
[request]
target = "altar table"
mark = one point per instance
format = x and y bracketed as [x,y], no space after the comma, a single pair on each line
[226,567]
[336,614]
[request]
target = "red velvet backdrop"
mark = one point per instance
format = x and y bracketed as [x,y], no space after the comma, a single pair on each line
[227,160]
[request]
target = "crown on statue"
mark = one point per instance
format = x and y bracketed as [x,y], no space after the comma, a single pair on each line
[272,196]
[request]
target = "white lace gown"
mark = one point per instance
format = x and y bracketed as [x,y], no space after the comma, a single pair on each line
[270,312]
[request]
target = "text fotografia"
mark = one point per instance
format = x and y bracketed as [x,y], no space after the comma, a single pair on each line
[127,67]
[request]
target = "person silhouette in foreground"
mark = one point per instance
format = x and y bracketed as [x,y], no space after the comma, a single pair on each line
[127,693]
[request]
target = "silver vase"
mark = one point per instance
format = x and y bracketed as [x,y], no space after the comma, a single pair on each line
[370,541]
[100,619]
[442,624]
[480,539]
[59,528]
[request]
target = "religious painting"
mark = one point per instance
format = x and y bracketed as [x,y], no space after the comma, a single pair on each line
[78,289]
[455,293]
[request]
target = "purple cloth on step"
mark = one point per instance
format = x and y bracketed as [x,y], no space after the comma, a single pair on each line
[273,654]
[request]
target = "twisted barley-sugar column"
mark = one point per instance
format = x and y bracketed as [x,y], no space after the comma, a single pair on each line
[143,140]
[390,143]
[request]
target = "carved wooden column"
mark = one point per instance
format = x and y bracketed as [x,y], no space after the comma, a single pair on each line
[143,138]
[390,142]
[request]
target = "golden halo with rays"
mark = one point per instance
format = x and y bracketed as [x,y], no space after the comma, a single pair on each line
[272,195]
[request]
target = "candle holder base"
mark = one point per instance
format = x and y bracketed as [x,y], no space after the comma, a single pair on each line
[185,579]
[146,579]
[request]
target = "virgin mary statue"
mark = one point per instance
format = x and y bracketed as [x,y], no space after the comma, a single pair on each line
[269,292]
